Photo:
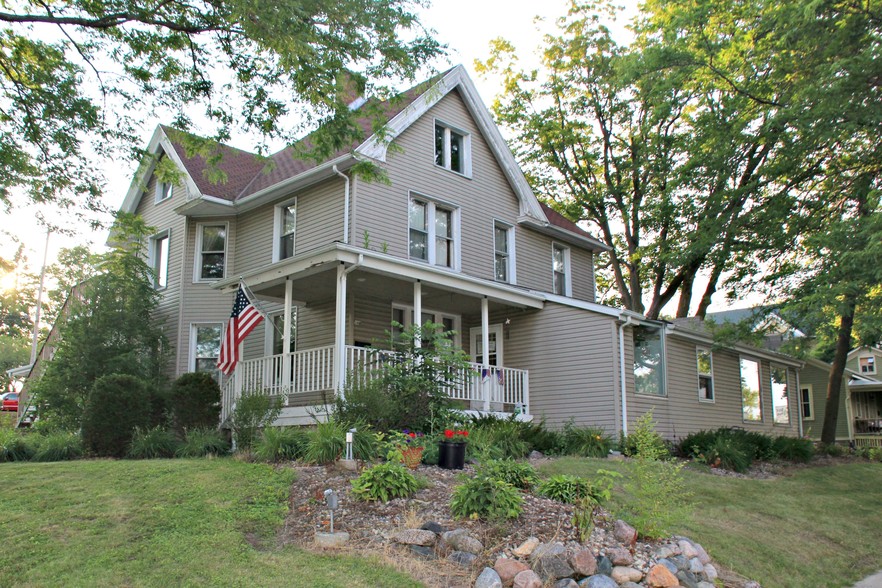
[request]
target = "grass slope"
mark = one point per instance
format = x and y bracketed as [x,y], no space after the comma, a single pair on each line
[159,523]
[818,526]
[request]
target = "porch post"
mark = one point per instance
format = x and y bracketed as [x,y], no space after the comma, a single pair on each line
[340,333]
[286,340]
[485,356]
[418,311]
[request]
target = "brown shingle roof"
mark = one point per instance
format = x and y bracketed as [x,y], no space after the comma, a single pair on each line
[560,221]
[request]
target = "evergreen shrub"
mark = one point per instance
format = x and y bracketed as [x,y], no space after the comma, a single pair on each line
[117,405]
[195,401]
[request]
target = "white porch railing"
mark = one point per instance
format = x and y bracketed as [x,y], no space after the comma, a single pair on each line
[312,370]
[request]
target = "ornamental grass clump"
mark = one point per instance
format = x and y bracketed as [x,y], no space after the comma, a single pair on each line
[202,443]
[483,497]
[157,442]
[280,444]
[385,482]
[15,446]
[584,441]
[61,446]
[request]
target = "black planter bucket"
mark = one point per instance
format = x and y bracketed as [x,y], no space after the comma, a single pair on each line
[451,456]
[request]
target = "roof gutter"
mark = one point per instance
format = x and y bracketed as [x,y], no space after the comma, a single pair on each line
[563,234]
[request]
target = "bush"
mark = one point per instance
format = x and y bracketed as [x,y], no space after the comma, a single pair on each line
[326,442]
[831,449]
[794,449]
[727,453]
[203,442]
[498,441]
[153,443]
[518,474]
[385,482]
[252,412]
[117,405]
[58,447]
[564,488]
[195,401]
[15,446]
[730,446]
[281,443]
[584,441]
[485,497]
[644,441]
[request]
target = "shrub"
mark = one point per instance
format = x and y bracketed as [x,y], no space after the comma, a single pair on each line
[326,442]
[831,449]
[759,445]
[252,412]
[58,447]
[726,444]
[385,482]
[281,443]
[727,453]
[644,441]
[874,454]
[485,497]
[794,449]
[157,442]
[195,401]
[584,441]
[498,441]
[15,446]
[585,507]
[564,488]
[518,474]
[203,442]
[117,405]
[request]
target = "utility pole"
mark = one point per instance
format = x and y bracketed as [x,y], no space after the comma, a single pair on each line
[40,300]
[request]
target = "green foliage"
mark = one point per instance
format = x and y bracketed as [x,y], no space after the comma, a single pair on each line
[644,441]
[109,329]
[585,507]
[831,449]
[326,441]
[117,406]
[736,449]
[584,441]
[281,443]
[498,441]
[660,497]
[57,447]
[519,474]
[727,453]
[794,449]
[483,497]
[195,401]
[385,482]
[15,446]
[564,488]
[202,443]
[252,412]
[153,443]
[408,386]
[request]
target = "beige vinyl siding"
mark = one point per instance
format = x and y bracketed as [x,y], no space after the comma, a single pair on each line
[382,210]
[854,363]
[373,317]
[818,378]
[582,267]
[316,325]
[681,412]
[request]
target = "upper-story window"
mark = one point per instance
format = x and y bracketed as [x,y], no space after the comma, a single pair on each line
[158,259]
[211,251]
[285,230]
[705,375]
[164,188]
[867,365]
[433,233]
[649,361]
[780,395]
[751,405]
[503,252]
[560,261]
[452,149]
[205,343]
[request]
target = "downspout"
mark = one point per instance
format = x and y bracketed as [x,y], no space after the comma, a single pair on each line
[345,208]
[799,403]
[622,373]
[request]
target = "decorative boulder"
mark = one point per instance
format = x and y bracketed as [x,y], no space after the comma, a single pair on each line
[488,579]
[415,537]
[527,579]
[583,562]
[526,548]
[661,577]
[508,569]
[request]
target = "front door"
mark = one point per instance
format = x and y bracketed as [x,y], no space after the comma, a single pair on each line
[495,347]
[489,383]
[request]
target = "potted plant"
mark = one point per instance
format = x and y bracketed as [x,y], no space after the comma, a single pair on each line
[407,447]
[452,449]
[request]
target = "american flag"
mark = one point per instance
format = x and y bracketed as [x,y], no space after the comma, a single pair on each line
[243,319]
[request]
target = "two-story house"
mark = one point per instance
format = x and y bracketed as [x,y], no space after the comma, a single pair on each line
[456,236]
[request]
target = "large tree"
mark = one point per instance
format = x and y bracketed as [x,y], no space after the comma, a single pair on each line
[17,299]
[76,76]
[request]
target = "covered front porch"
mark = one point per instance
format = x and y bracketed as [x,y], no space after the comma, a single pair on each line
[866,409]
[330,319]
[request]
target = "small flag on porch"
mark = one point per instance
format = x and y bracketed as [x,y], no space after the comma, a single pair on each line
[243,319]
[499,377]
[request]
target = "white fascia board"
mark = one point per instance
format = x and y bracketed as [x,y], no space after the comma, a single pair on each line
[562,234]
[300,265]
[376,146]
[22,370]
[694,337]
[584,305]
[286,187]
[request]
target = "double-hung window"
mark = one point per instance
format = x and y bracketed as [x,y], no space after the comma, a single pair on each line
[751,401]
[806,402]
[211,252]
[432,233]
[560,262]
[285,231]
[158,259]
[867,364]
[705,375]
[649,361]
[452,149]
[503,253]
[205,343]
[780,399]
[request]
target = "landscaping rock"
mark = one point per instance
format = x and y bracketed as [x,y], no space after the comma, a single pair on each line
[702,554]
[423,551]
[553,567]
[433,527]
[566,583]
[583,562]
[687,549]
[681,562]
[620,556]
[625,532]
[672,567]
[488,579]
[415,537]
[710,572]
[630,585]
[622,574]
[547,549]
[338,539]
[664,552]
[695,566]
[526,548]
[536,455]
[706,585]
[687,579]
[604,565]
[508,569]
[462,558]
[661,577]
[598,581]
[460,540]
[527,579]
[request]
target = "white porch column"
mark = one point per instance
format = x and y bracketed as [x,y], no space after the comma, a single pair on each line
[286,340]
[340,333]
[485,346]
[418,311]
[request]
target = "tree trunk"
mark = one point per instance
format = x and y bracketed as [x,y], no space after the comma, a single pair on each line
[834,384]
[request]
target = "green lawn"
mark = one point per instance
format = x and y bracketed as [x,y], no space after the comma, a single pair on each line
[819,526]
[159,523]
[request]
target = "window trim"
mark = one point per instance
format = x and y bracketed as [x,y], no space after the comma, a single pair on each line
[151,257]
[466,148]
[511,262]
[160,189]
[759,374]
[408,318]
[197,257]
[663,363]
[871,357]
[811,402]
[269,330]
[431,205]
[772,368]
[713,391]
[191,360]
[278,216]
[568,269]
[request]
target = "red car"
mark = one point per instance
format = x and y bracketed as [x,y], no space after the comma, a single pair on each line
[10,401]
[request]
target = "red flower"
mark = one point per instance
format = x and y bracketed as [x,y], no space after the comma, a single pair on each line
[464,433]
[412,434]
[448,433]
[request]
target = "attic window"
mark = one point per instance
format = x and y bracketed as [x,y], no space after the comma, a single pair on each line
[164,188]
[867,365]
[452,149]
